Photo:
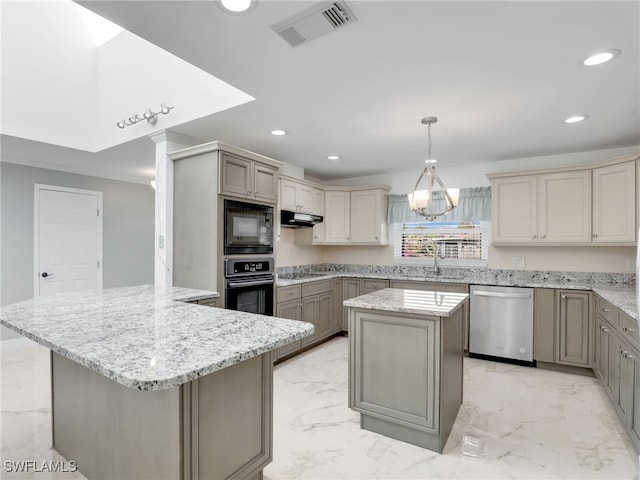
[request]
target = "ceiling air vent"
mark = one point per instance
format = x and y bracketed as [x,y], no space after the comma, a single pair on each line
[314,22]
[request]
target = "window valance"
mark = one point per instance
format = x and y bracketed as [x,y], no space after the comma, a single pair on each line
[474,204]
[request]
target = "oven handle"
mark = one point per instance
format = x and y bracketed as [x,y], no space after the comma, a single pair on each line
[249,284]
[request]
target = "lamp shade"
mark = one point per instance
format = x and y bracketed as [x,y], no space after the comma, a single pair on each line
[454,193]
[419,199]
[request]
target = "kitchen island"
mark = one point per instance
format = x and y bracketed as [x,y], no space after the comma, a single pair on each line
[148,384]
[406,363]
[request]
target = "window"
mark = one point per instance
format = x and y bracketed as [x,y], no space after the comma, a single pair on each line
[458,244]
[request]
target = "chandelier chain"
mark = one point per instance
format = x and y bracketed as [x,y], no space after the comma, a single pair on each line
[429,134]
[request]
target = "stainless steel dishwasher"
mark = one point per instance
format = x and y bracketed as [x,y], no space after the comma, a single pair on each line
[501,324]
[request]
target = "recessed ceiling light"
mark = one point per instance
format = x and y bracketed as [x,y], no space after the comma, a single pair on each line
[237,6]
[601,57]
[576,118]
[278,132]
[333,157]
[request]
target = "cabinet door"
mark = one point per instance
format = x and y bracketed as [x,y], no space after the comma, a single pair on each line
[310,314]
[601,354]
[265,183]
[614,215]
[288,200]
[573,328]
[633,412]
[366,216]
[290,310]
[350,289]
[325,312]
[565,207]
[236,174]
[338,218]
[305,198]
[625,383]
[515,209]
[319,209]
[613,366]
[336,305]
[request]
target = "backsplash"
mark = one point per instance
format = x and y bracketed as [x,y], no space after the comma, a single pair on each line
[471,275]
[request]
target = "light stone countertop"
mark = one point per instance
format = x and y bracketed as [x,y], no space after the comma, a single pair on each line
[620,295]
[420,302]
[146,337]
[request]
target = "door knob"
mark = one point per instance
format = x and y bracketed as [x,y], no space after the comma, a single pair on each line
[45,274]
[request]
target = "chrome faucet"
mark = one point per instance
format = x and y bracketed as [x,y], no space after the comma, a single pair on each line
[438,251]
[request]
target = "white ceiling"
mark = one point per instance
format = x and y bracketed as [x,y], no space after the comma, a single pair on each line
[501,77]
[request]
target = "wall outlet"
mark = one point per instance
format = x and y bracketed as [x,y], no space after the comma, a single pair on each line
[517,262]
[631,265]
[160,241]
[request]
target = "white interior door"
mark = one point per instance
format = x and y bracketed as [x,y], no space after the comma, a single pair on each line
[67,240]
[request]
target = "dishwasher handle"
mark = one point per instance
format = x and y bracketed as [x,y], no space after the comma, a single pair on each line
[482,293]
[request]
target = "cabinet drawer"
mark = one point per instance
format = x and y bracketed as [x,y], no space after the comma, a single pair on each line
[292,292]
[373,285]
[313,288]
[629,329]
[608,311]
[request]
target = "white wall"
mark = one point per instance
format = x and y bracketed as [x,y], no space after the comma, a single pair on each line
[128,229]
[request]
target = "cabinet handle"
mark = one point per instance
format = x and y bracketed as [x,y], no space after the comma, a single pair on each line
[624,329]
[605,329]
[630,356]
[625,354]
[534,236]
[315,236]
[595,235]
[543,236]
[563,297]
[629,329]
[605,310]
[376,237]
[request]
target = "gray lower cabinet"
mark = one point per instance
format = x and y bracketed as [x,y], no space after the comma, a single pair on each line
[336,304]
[290,309]
[405,374]
[616,363]
[442,287]
[572,335]
[562,326]
[350,289]
[314,302]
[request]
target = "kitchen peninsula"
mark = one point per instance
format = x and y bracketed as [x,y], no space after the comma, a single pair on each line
[148,384]
[405,363]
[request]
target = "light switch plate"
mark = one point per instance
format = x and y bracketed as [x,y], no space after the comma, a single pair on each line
[517,262]
[631,265]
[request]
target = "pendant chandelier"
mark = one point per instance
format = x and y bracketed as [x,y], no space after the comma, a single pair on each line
[421,200]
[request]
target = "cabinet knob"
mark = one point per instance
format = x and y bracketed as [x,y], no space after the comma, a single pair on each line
[630,356]
[625,354]
[534,236]
[605,329]
[563,297]
[543,236]
[605,310]
[595,235]
[248,192]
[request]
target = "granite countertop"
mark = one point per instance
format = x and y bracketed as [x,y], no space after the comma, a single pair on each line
[420,302]
[146,337]
[620,295]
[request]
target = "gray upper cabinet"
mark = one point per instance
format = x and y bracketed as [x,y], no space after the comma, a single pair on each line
[246,178]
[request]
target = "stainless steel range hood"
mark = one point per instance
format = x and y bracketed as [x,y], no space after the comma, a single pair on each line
[291,219]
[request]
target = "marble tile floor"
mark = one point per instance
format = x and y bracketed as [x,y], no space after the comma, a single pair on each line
[534,424]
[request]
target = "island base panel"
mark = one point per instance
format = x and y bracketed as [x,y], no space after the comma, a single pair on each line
[112,431]
[395,430]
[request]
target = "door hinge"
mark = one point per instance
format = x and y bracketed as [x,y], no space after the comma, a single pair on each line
[98,262]
[98,212]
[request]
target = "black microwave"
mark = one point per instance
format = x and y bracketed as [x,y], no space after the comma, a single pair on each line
[248,228]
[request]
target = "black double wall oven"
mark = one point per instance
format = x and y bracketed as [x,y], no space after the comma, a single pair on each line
[249,276]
